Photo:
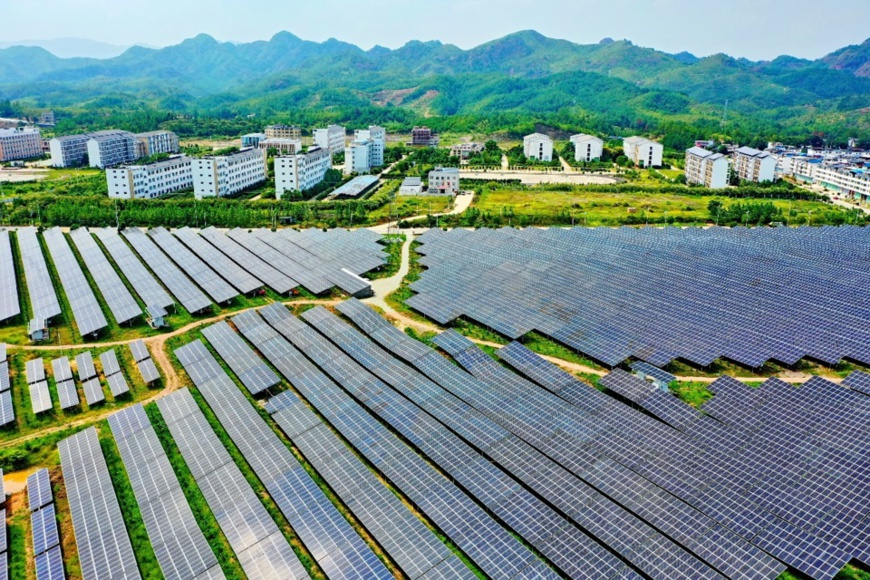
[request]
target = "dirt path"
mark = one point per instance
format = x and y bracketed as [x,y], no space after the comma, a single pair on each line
[460,204]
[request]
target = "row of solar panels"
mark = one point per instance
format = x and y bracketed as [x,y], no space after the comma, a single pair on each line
[7,409]
[4,543]
[48,559]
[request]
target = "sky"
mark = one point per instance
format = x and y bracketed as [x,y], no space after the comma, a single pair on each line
[755,29]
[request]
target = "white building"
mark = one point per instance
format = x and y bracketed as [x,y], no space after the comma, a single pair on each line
[110,148]
[152,180]
[302,171]
[282,146]
[20,143]
[587,147]
[538,146]
[68,151]
[283,132]
[228,174]
[706,168]
[358,157]
[157,142]
[378,136]
[444,181]
[754,165]
[845,180]
[411,186]
[643,152]
[332,138]
[252,140]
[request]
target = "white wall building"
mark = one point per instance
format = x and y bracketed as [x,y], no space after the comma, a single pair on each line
[643,152]
[587,147]
[282,146]
[411,186]
[20,143]
[706,168]
[152,180]
[69,150]
[302,171]
[228,174]
[157,142]
[110,148]
[847,181]
[378,136]
[332,138]
[283,132]
[444,181]
[754,165]
[538,146]
[358,157]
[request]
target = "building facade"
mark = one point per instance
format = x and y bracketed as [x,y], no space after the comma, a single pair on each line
[444,181]
[68,151]
[845,180]
[151,180]
[20,143]
[157,142]
[754,165]
[706,168]
[538,146]
[332,138]
[110,148]
[643,152]
[358,157]
[228,174]
[283,132]
[302,171]
[587,147]
[282,146]
[378,137]
[46,118]
[411,186]
[465,150]
[252,140]
[423,137]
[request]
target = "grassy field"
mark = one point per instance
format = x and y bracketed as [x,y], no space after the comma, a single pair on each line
[406,206]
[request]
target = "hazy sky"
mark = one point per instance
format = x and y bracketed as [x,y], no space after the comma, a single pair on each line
[756,29]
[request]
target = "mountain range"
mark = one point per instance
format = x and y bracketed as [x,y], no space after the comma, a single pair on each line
[522,72]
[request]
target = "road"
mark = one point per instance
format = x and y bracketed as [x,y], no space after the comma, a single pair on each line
[460,204]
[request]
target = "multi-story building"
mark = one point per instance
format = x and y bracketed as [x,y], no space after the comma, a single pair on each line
[151,180]
[423,137]
[110,148]
[754,165]
[20,143]
[587,147]
[69,150]
[46,118]
[283,132]
[538,146]
[444,181]
[465,150]
[252,140]
[844,179]
[643,152]
[224,175]
[706,168]
[282,146]
[358,157]
[332,138]
[156,142]
[302,171]
[378,137]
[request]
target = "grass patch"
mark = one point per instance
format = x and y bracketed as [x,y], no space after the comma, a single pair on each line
[393,245]
[548,347]
[406,206]
[20,559]
[692,393]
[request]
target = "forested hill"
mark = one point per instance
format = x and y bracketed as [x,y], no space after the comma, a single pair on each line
[522,73]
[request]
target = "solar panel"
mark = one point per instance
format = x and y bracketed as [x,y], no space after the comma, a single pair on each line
[121,303]
[252,372]
[148,371]
[216,287]
[43,300]
[654,372]
[250,262]
[5,384]
[67,394]
[35,370]
[118,385]
[139,350]
[49,565]
[3,541]
[88,315]
[7,410]
[626,385]
[147,287]
[179,545]
[40,397]
[185,291]
[240,278]
[61,369]
[858,381]
[103,545]
[109,362]
[2,352]
[39,492]
[93,391]
[44,529]
[293,270]
[9,305]
[85,366]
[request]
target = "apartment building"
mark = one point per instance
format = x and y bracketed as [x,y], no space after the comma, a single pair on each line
[706,168]
[642,151]
[423,137]
[538,146]
[444,181]
[252,140]
[20,143]
[68,151]
[151,180]
[358,157]
[46,118]
[282,146]
[283,132]
[466,150]
[157,142]
[224,175]
[378,137]
[332,138]
[302,171]
[587,147]
[110,148]
[754,165]
[846,180]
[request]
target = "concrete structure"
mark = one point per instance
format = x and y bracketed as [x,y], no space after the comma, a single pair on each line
[252,140]
[378,137]
[643,152]
[283,132]
[423,137]
[228,174]
[151,180]
[282,146]
[465,150]
[754,165]
[845,180]
[538,146]
[411,186]
[110,148]
[355,188]
[20,143]
[68,151]
[157,142]
[46,118]
[587,147]
[444,181]
[358,157]
[332,138]
[302,171]
[706,168]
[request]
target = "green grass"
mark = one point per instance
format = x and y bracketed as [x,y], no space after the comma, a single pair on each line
[406,206]
[394,258]
[692,393]
[547,347]
[18,531]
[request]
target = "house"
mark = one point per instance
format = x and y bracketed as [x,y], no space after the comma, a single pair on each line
[332,138]
[538,146]
[466,150]
[587,147]
[378,137]
[156,142]
[358,156]
[411,186]
[444,181]
[754,165]
[283,132]
[37,330]
[423,137]
[112,147]
[643,152]
[706,168]
[282,146]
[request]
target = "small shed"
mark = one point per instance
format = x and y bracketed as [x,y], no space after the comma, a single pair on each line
[37,330]
[652,374]
[156,316]
[411,186]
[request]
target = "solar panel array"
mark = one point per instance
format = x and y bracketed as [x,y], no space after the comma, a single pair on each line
[336,547]
[644,368]
[43,301]
[251,370]
[123,306]
[179,545]
[7,409]
[49,565]
[103,545]
[250,262]
[146,286]
[9,305]
[86,309]
[44,529]
[112,371]
[749,295]
[240,278]
[90,381]
[261,548]
[39,492]
[40,396]
[185,291]
[215,286]
[147,368]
